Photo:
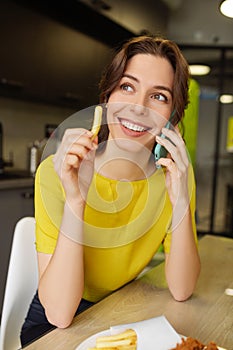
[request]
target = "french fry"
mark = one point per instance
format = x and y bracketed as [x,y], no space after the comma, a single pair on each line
[126,340]
[97,121]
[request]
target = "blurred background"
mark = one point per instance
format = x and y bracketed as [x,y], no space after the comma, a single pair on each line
[52,56]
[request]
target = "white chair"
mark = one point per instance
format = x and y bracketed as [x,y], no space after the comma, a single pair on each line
[21,284]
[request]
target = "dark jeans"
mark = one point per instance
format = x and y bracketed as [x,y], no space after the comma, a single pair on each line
[36,323]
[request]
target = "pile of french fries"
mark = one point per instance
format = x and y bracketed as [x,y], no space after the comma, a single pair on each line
[126,340]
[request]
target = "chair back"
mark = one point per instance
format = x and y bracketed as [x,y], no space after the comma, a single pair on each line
[21,284]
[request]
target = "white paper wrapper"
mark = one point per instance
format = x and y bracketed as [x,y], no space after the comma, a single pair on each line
[154,333]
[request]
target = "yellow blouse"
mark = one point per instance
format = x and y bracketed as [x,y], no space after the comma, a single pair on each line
[124,225]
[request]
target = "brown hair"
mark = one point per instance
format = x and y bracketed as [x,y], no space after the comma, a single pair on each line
[154,46]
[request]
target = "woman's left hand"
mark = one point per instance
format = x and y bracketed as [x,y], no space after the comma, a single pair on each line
[177,165]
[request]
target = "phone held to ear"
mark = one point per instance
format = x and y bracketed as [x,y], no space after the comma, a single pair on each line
[160,151]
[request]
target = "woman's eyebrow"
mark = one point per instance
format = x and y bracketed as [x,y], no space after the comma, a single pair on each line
[130,77]
[159,87]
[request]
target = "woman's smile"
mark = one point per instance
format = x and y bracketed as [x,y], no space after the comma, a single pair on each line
[131,128]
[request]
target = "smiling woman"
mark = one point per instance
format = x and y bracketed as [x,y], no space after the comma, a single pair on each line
[102,207]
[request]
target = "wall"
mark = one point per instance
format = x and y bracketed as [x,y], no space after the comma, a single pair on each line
[45,60]
[59,69]
[24,122]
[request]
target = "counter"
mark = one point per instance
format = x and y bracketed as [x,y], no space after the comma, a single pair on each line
[16,183]
[16,179]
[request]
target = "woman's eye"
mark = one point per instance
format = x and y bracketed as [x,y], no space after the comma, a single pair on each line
[126,87]
[160,97]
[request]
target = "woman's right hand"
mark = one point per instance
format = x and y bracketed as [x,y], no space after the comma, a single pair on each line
[74,162]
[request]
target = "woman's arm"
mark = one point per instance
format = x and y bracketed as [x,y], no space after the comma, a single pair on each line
[182,263]
[61,274]
[61,278]
[182,266]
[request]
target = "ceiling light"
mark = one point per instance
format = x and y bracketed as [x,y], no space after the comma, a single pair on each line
[199,69]
[226,8]
[226,98]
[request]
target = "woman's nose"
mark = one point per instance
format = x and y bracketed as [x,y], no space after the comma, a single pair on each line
[139,109]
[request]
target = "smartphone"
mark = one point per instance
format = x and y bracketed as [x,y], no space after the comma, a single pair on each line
[160,151]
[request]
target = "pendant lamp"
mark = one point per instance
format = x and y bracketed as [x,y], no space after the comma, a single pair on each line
[226,8]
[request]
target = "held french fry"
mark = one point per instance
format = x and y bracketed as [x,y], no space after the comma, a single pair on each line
[97,121]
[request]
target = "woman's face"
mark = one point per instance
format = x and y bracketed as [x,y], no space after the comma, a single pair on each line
[141,104]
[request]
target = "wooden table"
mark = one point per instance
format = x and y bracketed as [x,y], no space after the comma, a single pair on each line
[207,315]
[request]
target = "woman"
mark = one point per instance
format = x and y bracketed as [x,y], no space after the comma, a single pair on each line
[103,206]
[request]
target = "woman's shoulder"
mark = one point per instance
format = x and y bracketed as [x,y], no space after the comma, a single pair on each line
[46,168]
[46,174]
[46,163]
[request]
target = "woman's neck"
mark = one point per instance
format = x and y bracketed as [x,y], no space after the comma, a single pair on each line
[123,165]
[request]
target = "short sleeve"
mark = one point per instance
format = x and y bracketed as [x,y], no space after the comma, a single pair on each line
[49,205]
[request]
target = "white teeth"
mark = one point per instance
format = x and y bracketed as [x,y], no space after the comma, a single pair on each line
[131,126]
